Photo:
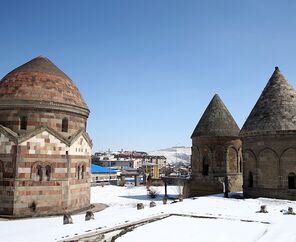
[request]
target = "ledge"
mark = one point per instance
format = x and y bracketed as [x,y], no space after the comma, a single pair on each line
[13,104]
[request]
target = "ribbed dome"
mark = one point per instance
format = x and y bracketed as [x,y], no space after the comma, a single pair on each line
[275,109]
[40,80]
[216,121]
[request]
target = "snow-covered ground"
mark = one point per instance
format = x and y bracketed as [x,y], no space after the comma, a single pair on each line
[174,154]
[211,218]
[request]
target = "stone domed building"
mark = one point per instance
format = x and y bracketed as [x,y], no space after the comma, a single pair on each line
[269,142]
[216,152]
[44,148]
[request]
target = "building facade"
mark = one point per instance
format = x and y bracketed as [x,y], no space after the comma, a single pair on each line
[100,175]
[216,159]
[44,148]
[269,142]
[127,159]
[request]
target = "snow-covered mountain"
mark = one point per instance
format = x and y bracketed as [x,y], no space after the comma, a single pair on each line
[174,154]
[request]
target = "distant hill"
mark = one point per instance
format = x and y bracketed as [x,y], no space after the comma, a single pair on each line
[174,154]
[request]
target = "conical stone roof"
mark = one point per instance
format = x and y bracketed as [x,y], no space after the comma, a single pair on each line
[275,109]
[40,80]
[216,121]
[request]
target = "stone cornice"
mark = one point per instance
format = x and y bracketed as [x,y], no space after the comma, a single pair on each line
[266,133]
[214,138]
[19,139]
[9,134]
[33,104]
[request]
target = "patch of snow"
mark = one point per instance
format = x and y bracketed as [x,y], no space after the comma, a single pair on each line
[236,219]
[193,229]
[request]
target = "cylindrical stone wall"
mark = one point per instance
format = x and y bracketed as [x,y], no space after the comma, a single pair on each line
[47,118]
[269,159]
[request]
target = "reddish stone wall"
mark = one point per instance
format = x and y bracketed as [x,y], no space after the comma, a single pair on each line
[51,119]
[64,191]
[79,193]
[48,181]
[7,171]
[6,196]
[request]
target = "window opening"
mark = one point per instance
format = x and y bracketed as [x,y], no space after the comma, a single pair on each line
[291,181]
[23,122]
[83,172]
[251,181]
[39,172]
[78,172]
[65,125]
[47,172]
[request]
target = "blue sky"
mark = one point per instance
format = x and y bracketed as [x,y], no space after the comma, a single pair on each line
[148,69]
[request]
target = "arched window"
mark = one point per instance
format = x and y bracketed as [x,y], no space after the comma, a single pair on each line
[47,172]
[78,172]
[39,173]
[1,169]
[205,166]
[240,159]
[65,125]
[23,122]
[291,181]
[83,172]
[251,179]
[240,166]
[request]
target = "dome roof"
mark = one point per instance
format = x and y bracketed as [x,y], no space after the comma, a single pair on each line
[216,121]
[40,80]
[275,109]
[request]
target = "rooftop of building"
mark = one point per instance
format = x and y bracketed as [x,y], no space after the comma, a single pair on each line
[99,169]
[275,110]
[40,80]
[216,121]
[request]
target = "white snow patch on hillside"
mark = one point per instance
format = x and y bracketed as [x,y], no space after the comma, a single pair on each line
[174,154]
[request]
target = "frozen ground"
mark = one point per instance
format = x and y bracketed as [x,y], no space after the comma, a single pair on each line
[210,218]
